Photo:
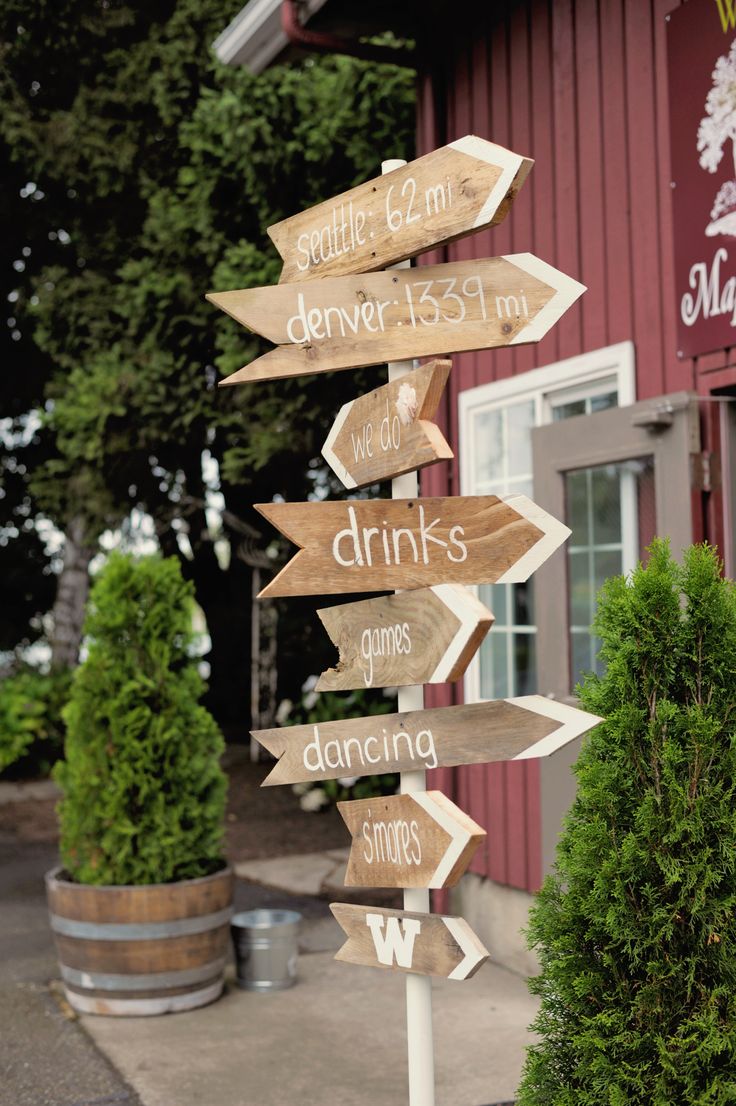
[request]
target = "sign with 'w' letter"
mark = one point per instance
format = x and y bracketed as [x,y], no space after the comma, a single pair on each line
[426,944]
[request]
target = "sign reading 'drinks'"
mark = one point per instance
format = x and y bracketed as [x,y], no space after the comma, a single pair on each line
[502,729]
[380,544]
[444,195]
[386,432]
[425,636]
[366,319]
[427,944]
[416,840]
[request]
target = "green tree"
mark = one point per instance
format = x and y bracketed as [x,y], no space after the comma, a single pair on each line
[144,795]
[164,169]
[636,929]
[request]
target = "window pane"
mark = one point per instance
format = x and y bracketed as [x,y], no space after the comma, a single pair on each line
[577,507]
[606,492]
[606,564]
[568,410]
[523,600]
[602,403]
[581,589]
[489,446]
[495,598]
[494,669]
[580,649]
[525,664]
[520,421]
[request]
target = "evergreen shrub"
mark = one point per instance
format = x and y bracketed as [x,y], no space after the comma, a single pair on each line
[31,728]
[636,928]
[144,794]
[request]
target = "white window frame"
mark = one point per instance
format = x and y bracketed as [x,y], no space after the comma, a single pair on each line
[574,377]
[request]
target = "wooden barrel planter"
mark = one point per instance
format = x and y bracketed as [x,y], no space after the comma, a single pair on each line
[140,950]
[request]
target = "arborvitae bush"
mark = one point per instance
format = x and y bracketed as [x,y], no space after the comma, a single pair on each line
[636,930]
[144,793]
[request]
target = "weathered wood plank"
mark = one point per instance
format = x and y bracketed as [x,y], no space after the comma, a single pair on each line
[366,319]
[386,432]
[426,944]
[502,729]
[448,193]
[378,544]
[425,636]
[416,840]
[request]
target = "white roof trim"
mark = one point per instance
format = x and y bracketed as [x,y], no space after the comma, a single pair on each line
[255,37]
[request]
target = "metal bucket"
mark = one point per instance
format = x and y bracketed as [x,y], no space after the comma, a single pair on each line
[265,949]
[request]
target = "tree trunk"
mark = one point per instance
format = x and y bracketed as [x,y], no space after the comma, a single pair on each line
[227,609]
[71,596]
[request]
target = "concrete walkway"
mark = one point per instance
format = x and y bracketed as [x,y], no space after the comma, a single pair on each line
[337,1038]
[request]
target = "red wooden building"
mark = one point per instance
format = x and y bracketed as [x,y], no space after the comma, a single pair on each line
[622,420]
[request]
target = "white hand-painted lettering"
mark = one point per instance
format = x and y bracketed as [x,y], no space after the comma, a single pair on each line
[397,943]
[352,752]
[321,323]
[393,842]
[359,542]
[383,641]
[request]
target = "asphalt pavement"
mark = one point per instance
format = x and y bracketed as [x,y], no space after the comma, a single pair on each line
[337,1038]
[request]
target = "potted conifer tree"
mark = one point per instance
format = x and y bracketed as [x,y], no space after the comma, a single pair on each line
[141,907]
[636,928]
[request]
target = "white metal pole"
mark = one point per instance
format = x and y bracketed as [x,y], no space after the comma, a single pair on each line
[418,987]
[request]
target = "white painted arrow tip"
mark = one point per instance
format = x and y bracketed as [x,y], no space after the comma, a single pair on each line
[554,533]
[574,723]
[474,952]
[328,451]
[566,291]
[465,606]
[459,837]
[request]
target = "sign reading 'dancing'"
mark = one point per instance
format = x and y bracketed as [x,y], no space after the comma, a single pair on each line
[366,319]
[380,544]
[444,195]
[477,733]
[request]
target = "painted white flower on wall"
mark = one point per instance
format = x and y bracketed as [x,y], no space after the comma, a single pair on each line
[717,128]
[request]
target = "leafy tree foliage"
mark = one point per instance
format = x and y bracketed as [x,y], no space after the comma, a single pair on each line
[637,927]
[163,169]
[144,795]
[31,730]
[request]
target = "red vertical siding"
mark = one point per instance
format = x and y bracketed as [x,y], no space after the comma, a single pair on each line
[580,86]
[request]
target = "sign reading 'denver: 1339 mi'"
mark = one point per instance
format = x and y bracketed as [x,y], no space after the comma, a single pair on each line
[366,319]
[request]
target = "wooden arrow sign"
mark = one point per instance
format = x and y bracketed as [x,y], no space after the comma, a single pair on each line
[416,840]
[477,733]
[379,544]
[367,319]
[444,195]
[426,944]
[386,432]
[425,636]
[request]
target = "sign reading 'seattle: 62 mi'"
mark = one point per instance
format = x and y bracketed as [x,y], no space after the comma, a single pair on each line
[344,322]
[445,195]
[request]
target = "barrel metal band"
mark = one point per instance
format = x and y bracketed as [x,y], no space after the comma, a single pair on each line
[138,931]
[104,981]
